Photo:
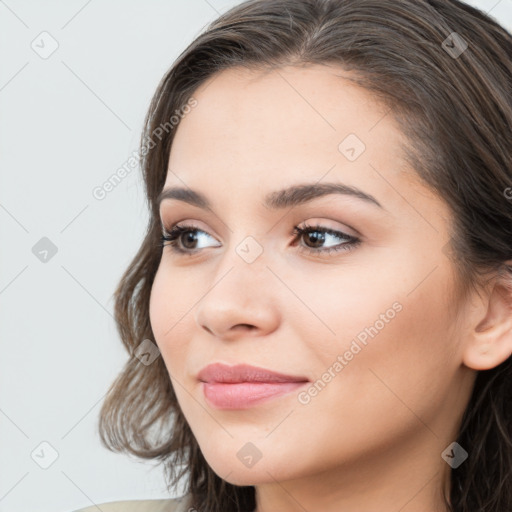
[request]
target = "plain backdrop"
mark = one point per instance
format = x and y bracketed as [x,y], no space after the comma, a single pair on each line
[76,78]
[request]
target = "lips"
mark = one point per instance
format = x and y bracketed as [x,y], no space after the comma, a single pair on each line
[243,386]
[221,373]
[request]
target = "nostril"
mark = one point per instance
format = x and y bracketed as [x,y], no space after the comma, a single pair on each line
[207,329]
[244,326]
[236,327]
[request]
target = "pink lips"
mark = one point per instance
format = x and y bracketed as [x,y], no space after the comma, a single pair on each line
[242,386]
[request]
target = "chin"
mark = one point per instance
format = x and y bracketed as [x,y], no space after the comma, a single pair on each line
[235,472]
[245,477]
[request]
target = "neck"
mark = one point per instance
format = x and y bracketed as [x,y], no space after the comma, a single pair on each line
[410,478]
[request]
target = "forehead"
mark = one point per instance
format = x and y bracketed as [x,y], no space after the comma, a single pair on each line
[300,103]
[300,115]
[253,132]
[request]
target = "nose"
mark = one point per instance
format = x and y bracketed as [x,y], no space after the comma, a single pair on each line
[241,301]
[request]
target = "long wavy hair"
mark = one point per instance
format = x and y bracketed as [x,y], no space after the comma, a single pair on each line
[454,104]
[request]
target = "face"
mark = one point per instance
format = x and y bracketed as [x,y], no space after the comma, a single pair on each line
[357,305]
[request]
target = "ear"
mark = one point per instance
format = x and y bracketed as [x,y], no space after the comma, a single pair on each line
[490,342]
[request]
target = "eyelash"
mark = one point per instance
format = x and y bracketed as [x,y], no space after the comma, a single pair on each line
[173,235]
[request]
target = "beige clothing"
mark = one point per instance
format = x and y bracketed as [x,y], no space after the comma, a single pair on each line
[171,505]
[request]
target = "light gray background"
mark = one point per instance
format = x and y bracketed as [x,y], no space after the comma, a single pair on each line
[67,123]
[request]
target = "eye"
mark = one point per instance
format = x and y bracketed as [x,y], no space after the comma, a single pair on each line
[184,244]
[183,239]
[318,235]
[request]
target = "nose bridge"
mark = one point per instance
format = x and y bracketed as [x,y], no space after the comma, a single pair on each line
[247,254]
[241,273]
[240,292]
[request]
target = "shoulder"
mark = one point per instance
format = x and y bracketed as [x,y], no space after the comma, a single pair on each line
[170,505]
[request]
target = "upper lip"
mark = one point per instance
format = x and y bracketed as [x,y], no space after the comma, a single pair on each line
[219,372]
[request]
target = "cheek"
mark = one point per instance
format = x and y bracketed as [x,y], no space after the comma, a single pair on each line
[169,304]
[392,375]
[409,360]
[157,309]
[393,331]
[333,306]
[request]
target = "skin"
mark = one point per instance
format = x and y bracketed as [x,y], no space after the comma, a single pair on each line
[372,438]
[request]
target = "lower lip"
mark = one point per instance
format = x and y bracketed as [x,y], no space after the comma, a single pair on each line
[245,394]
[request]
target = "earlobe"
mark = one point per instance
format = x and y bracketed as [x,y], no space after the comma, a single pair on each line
[490,342]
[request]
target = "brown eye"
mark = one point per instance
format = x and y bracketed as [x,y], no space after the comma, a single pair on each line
[183,239]
[188,239]
[315,236]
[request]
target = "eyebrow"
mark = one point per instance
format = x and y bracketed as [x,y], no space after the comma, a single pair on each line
[285,198]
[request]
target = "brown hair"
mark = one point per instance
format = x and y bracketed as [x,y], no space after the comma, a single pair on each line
[455,107]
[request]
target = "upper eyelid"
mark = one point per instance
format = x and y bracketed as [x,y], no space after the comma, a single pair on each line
[185,225]
[309,207]
[344,228]
[304,226]
[306,220]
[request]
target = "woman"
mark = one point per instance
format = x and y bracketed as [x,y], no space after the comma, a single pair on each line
[320,315]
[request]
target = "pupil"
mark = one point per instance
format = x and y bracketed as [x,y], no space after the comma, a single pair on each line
[189,237]
[317,239]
